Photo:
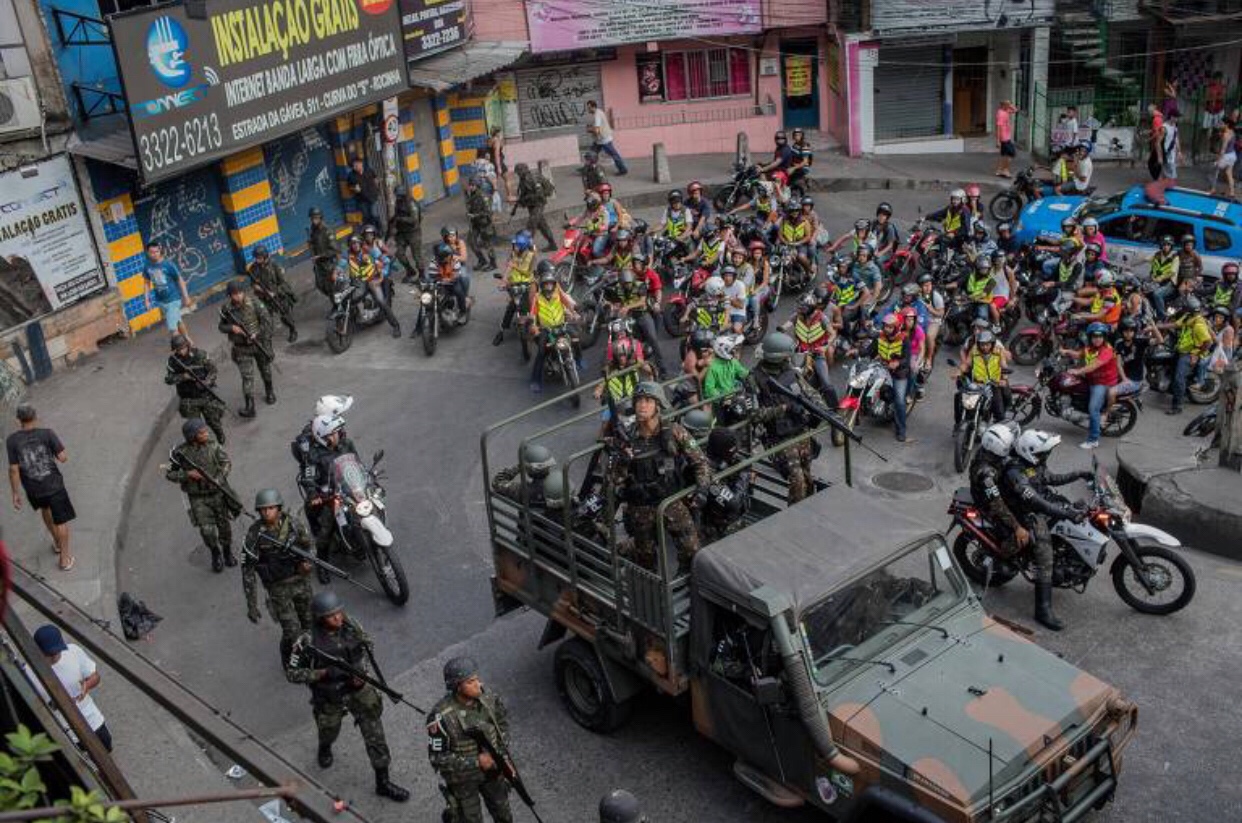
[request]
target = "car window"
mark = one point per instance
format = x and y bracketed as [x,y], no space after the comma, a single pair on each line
[1131,227]
[1215,239]
[1160,226]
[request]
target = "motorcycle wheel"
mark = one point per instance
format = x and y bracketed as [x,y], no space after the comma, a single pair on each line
[756,333]
[564,274]
[1004,207]
[1163,568]
[390,574]
[1121,418]
[963,446]
[1206,393]
[339,341]
[1025,409]
[724,198]
[972,556]
[431,322]
[569,369]
[590,330]
[1160,380]
[670,315]
[1203,424]
[1029,349]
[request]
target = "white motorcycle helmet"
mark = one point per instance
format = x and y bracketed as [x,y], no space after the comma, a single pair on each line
[333,405]
[725,345]
[325,425]
[998,439]
[1105,278]
[1034,446]
[714,288]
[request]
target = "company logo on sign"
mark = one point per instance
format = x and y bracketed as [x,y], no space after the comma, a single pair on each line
[166,47]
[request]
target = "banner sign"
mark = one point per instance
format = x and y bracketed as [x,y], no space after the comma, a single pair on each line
[896,16]
[252,71]
[429,26]
[561,25]
[47,258]
[797,75]
[650,77]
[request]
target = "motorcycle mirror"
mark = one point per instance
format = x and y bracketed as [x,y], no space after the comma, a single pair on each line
[379,455]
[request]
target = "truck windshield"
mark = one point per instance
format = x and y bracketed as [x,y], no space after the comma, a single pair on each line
[863,619]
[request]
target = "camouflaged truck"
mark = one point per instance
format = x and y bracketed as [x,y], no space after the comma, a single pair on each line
[833,627]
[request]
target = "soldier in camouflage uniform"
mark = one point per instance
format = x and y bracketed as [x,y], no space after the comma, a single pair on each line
[482,229]
[406,230]
[779,417]
[534,192]
[185,363]
[643,466]
[211,509]
[333,692]
[539,462]
[323,253]
[249,328]
[285,576]
[471,777]
[273,288]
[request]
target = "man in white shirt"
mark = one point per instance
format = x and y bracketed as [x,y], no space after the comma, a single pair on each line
[602,132]
[1169,146]
[77,673]
[1083,169]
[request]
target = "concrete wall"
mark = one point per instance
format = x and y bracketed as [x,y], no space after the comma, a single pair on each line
[500,20]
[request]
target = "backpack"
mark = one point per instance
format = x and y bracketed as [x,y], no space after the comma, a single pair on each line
[547,187]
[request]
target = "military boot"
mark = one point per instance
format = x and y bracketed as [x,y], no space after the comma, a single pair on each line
[1043,608]
[230,559]
[325,755]
[286,650]
[386,788]
[269,394]
[293,333]
[217,562]
[248,409]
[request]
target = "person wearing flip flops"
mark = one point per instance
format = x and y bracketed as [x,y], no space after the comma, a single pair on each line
[33,455]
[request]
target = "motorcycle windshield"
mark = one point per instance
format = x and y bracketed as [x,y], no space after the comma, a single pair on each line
[349,477]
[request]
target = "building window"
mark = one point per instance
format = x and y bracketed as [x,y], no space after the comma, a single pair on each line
[697,75]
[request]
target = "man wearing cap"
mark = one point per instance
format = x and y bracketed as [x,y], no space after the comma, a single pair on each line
[334,692]
[77,674]
[272,287]
[285,576]
[471,776]
[208,505]
[191,371]
[249,327]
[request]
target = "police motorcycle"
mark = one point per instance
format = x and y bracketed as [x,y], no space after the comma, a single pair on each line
[361,522]
[353,304]
[1149,573]
[438,306]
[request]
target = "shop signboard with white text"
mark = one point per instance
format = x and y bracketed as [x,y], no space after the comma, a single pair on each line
[561,25]
[249,72]
[430,26]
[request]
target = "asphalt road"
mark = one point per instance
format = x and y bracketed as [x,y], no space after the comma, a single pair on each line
[427,415]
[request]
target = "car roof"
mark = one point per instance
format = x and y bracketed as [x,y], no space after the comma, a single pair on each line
[1187,203]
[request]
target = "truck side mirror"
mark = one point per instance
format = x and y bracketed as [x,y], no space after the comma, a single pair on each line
[768,691]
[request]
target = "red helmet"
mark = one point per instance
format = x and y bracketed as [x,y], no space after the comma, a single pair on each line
[623,347]
[758,244]
[604,188]
[910,311]
[972,190]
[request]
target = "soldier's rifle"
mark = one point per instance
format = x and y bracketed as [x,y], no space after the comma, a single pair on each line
[252,339]
[507,768]
[820,413]
[202,384]
[184,463]
[345,667]
[278,301]
[287,545]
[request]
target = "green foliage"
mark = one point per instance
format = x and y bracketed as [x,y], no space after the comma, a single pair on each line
[22,787]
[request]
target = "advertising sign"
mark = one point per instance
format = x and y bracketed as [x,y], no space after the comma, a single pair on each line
[252,71]
[429,26]
[797,75]
[896,16]
[47,259]
[650,77]
[560,25]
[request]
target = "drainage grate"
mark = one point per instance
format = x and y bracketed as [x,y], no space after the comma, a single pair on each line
[906,482]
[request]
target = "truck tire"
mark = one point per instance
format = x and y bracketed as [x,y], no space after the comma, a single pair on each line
[584,689]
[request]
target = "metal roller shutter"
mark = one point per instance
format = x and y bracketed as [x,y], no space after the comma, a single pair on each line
[302,173]
[185,216]
[909,92]
[552,99]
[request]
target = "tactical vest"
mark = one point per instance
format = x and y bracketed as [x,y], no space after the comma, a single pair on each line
[345,643]
[274,564]
[810,335]
[194,363]
[789,424]
[454,719]
[985,368]
[653,469]
[551,312]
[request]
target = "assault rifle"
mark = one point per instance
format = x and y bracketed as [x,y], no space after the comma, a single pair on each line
[353,671]
[506,766]
[280,302]
[820,413]
[252,339]
[202,384]
[233,504]
[288,546]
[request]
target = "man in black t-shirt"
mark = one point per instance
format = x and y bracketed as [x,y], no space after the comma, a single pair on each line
[33,455]
[364,184]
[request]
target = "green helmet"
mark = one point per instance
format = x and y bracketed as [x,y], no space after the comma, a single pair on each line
[325,603]
[539,461]
[554,491]
[698,422]
[649,388]
[191,428]
[268,497]
[458,671]
[777,348]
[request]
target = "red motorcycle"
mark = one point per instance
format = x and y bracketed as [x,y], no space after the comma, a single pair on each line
[905,263]
[687,287]
[572,261]
[1035,343]
[1065,396]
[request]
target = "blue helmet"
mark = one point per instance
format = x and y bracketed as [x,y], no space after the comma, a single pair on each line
[522,241]
[1098,328]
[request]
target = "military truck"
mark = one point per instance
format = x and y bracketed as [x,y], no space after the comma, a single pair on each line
[834,647]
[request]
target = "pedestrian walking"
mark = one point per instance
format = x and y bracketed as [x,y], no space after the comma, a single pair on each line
[471,776]
[249,328]
[335,691]
[33,455]
[364,184]
[1226,158]
[534,192]
[77,673]
[1004,137]
[201,467]
[406,230]
[496,153]
[271,286]
[266,558]
[191,371]
[162,280]
[601,131]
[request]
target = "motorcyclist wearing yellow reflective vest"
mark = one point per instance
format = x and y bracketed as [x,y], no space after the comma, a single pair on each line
[815,337]
[979,285]
[621,255]
[596,223]
[797,231]
[677,223]
[710,311]
[955,219]
[359,264]
[1194,342]
[851,294]
[893,349]
[986,366]
[519,271]
[1064,272]
[710,252]
[551,308]
[1227,294]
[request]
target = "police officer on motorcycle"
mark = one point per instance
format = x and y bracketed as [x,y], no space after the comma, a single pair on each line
[987,471]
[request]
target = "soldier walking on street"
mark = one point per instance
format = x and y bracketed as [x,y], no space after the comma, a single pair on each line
[335,692]
[323,252]
[284,575]
[471,776]
[201,466]
[406,228]
[272,287]
[534,192]
[194,375]
[249,328]
[482,229]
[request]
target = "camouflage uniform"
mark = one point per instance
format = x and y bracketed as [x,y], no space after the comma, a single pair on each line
[210,510]
[407,232]
[455,757]
[334,694]
[258,323]
[482,231]
[284,576]
[273,289]
[780,422]
[532,195]
[508,482]
[323,252]
[192,401]
[645,471]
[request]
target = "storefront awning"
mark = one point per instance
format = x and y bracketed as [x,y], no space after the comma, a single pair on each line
[115,147]
[475,59]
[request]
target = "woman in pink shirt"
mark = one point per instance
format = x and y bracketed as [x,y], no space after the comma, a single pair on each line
[1004,137]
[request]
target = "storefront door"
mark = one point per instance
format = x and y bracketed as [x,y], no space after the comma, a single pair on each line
[800,84]
[970,91]
[302,173]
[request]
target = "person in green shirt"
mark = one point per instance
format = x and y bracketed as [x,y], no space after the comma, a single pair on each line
[725,374]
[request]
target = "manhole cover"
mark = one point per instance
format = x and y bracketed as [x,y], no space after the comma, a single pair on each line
[907,482]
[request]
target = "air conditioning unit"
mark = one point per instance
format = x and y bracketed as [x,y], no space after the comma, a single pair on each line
[19,105]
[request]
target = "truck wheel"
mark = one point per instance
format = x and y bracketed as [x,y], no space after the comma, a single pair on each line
[584,690]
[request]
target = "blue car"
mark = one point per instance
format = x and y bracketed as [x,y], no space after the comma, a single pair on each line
[1132,225]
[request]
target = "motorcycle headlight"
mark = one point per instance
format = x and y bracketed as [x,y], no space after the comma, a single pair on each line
[568,244]
[364,508]
[857,381]
[425,298]
[969,401]
[340,296]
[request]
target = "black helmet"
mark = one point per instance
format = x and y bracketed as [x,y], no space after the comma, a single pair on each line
[443,252]
[315,212]
[1004,228]
[521,168]
[792,208]
[862,224]
[722,444]
[697,421]
[701,339]
[458,671]
[780,136]
[268,497]
[1167,240]
[884,208]
[676,195]
[1069,247]
[543,267]
[448,231]
[638,257]
[325,603]
[1190,305]
[649,388]
[619,806]
[260,251]
[1127,324]
[926,277]
[777,348]
[1229,268]
[368,229]
[1187,238]
[808,200]
[808,303]
[640,226]
[191,428]
[178,341]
